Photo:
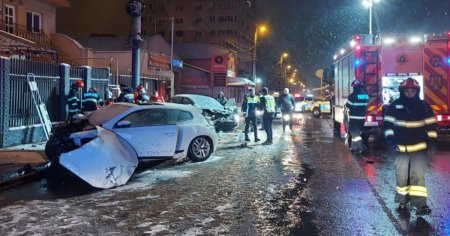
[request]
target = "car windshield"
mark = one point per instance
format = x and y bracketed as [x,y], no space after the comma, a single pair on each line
[204,102]
[106,113]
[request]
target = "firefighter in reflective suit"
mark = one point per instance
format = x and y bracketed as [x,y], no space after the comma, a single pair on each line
[356,107]
[410,130]
[73,99]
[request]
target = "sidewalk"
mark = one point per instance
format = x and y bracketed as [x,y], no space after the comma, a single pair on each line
[20,162]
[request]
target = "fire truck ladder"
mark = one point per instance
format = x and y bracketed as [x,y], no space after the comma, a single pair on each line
[40,106]
[371,75]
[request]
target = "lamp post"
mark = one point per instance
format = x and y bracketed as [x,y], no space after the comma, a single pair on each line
[369,4]
[261,29]
[283,55]
[134,9]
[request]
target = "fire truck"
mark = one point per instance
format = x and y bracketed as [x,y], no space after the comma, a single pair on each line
[382,62]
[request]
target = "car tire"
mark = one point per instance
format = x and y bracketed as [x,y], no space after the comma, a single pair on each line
[200,149]
[316,112]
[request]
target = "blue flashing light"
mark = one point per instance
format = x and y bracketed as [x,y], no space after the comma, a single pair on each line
[448,60]
[357,62]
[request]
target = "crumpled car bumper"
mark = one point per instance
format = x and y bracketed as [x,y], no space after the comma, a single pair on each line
[104,162]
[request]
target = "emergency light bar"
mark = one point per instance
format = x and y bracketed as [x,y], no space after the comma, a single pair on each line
[442,117]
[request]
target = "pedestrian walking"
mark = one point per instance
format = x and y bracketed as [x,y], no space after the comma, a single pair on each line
[74,98]
[268,105]
[410,130]
[286,102]
[356,107]
[91,101]
[249,107]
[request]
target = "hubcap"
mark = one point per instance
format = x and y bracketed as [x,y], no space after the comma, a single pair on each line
[201,147]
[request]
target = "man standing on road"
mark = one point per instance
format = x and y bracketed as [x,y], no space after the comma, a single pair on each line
[251,102]
[356,106]
[410,130]
[74,98]
[268,105]
[287,103]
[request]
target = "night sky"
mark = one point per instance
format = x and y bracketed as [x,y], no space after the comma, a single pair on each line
[312,30]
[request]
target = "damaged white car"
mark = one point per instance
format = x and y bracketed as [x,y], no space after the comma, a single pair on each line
[104,148]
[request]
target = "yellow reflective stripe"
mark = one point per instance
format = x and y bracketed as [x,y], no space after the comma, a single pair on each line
[419,191]
[388,132]
[412,148]
[410,124]
[430,120]
[432,134]
[403,190]
[389,119]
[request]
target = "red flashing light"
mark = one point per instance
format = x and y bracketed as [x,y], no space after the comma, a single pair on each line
[357,37]
[358,47]
[439,117]
[297,95]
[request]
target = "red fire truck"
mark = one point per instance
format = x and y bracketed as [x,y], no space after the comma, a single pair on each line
[382,63]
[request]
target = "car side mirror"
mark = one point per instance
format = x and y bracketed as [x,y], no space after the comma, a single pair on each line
[123,124]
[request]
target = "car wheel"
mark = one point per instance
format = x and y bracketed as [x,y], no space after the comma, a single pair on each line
[200,149]
[316,112]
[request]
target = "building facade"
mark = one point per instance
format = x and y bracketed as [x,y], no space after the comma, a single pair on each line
[229,24]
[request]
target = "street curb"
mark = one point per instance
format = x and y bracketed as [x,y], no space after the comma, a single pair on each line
[21,173]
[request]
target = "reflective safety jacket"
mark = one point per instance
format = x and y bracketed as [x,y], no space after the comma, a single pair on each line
[73,102]
[250,105]
[409,125]
[267,104]
[91,100]
[357,105]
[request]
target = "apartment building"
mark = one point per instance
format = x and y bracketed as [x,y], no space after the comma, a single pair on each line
[229,24]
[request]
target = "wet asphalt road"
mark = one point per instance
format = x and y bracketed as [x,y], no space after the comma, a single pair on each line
[306,183]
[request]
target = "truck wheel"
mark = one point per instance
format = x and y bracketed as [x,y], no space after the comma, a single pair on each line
[316,112]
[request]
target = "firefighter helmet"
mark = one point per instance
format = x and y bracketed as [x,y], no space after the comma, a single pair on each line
[410,83]
[356,83]
[79,84]
[265,90]
[93,89]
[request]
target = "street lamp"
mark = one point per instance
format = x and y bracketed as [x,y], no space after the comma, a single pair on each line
[369,4]
[261,29]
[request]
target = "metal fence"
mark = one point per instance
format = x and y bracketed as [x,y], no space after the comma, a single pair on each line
[22,110]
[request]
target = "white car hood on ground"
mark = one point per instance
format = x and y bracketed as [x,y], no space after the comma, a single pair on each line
[105,162]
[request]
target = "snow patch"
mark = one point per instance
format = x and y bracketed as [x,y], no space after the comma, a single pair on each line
[148,197]
[156,229]
[224,207]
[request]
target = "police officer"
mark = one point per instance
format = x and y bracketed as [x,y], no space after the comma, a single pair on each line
[410,130]
[91,100]
[126,94]
[73,99]
[251,102]
[268,105]
[356,106]
[287,103]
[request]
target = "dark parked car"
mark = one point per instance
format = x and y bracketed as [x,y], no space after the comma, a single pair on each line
[225,118]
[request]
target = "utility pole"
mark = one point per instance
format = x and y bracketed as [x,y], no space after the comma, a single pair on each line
[134,9]
[172,82]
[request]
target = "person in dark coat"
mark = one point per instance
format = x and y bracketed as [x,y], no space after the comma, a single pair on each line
[91,100]
[268,105]
[221,98]
[410,130]
[287,104]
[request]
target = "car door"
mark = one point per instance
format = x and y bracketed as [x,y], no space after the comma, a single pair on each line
[153,133]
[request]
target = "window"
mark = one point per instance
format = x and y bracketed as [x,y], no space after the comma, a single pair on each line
[184,116]
[187,101]
[179,33]
[198,34]
[198,20]
[179,7]
[212,32]
[10,16]
[198,7]
[151,117]
[212,18]
[178,20]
